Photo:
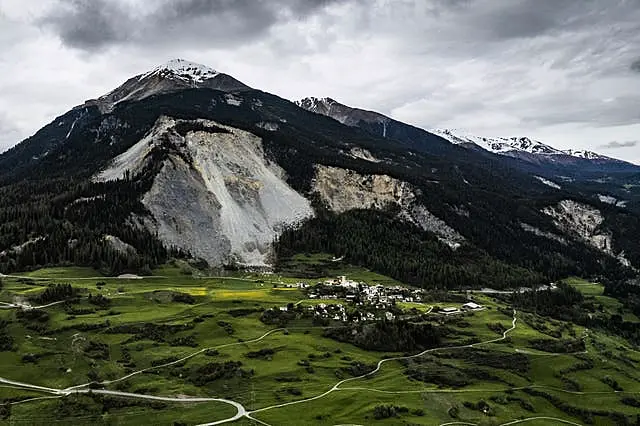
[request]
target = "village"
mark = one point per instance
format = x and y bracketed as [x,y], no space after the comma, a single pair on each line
[341,299]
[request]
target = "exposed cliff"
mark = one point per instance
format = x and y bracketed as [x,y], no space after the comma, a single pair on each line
[216,194]
[344,190]
[581,221]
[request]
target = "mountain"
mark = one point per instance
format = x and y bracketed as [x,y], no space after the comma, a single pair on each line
[183,161]
[173,76]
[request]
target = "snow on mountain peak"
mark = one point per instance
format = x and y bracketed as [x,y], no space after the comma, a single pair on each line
[513,145]
[184,70]
[314,104]
[589,155]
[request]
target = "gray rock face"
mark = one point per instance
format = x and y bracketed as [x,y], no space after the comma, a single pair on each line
[118,245]
[541,233]
[581,221]
[185,214]
[216,195]
[344,190]
[342,113]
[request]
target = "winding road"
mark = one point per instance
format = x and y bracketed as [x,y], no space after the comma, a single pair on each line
[336,387]
[241,411]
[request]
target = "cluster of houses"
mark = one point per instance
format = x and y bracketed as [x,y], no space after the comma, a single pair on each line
[372,302]
[361,293]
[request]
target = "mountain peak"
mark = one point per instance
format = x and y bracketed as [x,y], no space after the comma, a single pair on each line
[315,104]
[184,70]
[342,113]
[172,76]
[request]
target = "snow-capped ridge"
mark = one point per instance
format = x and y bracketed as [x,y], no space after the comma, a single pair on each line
[184,70]
[514,145]
[589,155]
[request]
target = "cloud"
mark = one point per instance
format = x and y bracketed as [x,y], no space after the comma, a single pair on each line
[618,145]
[556,70]
[9,134]
[97,24]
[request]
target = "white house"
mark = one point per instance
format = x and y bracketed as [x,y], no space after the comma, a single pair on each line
[471,306]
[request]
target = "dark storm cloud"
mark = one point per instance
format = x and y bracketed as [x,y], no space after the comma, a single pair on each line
[91,24]
[617,145]
[88,24]
[524,18]
[635,65]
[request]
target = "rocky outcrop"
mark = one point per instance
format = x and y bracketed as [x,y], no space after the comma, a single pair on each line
[363,154]
[344,190]
[118,245]
[581,221]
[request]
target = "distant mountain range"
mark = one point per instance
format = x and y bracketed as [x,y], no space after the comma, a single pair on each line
[518,147]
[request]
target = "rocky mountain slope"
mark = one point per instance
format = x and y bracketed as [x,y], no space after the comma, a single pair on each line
[176,162]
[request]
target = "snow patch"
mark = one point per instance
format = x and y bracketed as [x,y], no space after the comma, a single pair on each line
[608,199]
[509,146]
[183,70]
[73,125]
[548,182]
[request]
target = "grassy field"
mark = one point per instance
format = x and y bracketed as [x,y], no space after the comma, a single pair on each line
[209,330]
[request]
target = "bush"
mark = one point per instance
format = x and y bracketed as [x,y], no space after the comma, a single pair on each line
[183,298]
[381,412]
[266,354]
[5,411]
[612,383]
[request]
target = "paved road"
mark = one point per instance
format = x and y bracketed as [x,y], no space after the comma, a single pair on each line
[241,411]
[136,277]
[5,305]
[515,422]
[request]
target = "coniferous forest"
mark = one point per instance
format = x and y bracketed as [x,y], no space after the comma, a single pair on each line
[52,213]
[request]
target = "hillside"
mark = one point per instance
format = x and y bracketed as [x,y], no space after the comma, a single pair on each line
[220,171]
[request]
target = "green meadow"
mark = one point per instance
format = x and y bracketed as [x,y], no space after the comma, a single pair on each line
[182,335]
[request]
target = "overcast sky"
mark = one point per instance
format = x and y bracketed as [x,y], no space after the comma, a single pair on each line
[566,72]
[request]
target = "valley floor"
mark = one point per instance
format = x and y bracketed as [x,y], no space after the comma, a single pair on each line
[176,349]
